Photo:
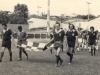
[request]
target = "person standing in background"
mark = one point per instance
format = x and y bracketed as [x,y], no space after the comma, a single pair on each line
[91,40]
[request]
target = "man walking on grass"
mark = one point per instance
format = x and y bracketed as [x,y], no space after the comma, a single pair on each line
[22,36]
[6,41]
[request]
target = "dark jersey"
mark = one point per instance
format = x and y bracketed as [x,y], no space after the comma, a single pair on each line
[58,36]
[92,36]
[71,35]
[6,35]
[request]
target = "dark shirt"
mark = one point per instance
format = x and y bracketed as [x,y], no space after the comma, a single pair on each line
[92,36]
[71,35]
[58,36]
[22,36]
[6,36]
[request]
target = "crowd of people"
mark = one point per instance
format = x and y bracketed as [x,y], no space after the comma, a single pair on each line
[75,39]
[72,37]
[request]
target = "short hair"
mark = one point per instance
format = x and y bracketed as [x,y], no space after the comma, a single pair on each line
[57,23]
[19,27]
[72,25]
[4,25]
[91,27]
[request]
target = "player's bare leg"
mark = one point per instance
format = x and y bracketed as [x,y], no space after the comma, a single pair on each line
[2,53]
[10,54]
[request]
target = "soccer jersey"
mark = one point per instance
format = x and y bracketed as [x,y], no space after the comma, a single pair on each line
[58,35]
[6,35]
[92,36]
[21,36]
[58,38]
[71,35]
[6,38]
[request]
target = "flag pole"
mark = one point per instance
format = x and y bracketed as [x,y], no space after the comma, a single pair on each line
[48,18]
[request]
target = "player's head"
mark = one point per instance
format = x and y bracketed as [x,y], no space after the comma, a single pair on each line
[4,26]
[57,26]
[96,31]
[71,26]
[79,29]
[91,28]
[20,28]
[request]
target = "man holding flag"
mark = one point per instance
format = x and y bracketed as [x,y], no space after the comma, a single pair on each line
[58,35]
[22,36]
[91,39]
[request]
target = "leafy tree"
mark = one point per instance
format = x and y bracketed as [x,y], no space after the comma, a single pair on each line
[4,16]
[20,15]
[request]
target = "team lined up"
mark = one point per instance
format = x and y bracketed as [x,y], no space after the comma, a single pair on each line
[71,37]
[58,35]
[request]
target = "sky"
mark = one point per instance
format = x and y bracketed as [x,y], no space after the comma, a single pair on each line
[57,7]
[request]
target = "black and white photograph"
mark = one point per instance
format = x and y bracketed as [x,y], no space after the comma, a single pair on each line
[49,37]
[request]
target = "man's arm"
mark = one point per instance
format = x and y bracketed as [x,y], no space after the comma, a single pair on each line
[12,38]
[76,41]
[87,38]
[97,37]
[50,42]
[25,36]
[76,36]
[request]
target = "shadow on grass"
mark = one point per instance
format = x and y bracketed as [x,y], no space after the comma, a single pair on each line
[39,61]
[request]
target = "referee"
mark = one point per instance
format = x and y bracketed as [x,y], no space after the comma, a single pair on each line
[71,36]
[6,41]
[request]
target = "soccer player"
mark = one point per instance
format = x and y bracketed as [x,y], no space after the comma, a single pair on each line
[6,41]
[84,39]
[58,36]
[71,36]
[22,36]
[91,39]
[79,39]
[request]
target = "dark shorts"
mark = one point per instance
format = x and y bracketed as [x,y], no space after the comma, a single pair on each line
[58,44]
[92,42]
[71,44]
[6,44]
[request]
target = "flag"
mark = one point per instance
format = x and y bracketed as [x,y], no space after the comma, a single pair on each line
[34,46]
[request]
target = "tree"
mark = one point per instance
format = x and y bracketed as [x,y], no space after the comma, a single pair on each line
[4,16]
[20,14]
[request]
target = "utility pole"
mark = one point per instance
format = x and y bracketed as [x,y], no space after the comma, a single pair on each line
[88,10]
[38,9]
[48,18]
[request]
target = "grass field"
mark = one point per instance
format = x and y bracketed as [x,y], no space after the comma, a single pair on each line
[43,63]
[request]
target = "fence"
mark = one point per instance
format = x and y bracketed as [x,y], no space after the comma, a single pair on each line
[35,36]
